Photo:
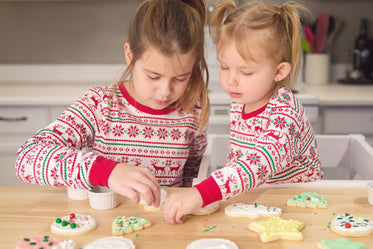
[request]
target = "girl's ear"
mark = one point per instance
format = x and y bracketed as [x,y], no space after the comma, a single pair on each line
[128,53]
[283,70]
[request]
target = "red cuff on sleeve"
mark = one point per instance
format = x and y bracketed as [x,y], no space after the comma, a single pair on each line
[209,191]
[101,170]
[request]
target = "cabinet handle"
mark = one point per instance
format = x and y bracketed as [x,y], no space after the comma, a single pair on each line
[16,119]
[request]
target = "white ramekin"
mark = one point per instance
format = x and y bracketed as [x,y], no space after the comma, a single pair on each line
[77,194]
[102,198]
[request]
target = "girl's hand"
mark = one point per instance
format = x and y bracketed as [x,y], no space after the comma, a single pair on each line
[181,203]
[129,181]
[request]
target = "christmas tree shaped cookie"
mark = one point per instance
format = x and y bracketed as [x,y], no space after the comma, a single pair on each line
[352,225]
[308,199]
[125,225]
[276,228]
[339,243]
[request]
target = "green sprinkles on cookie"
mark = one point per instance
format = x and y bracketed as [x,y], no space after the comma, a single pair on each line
[308,199]
[125,225]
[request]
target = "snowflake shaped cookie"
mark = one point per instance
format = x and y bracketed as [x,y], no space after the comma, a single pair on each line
[276,228]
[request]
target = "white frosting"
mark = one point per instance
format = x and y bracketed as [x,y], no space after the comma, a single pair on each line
[163,199]
[357,223]
[212,244]
[112,243]
[251,210]
[83,223]
[209,207]
[66,244]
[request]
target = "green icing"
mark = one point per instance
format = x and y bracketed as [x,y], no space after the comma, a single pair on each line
[341,243]
[309,198]
[123,223]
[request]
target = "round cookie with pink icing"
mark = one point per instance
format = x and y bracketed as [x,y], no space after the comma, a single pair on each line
[73,225]
[352,225]
[44,242]
[251,211]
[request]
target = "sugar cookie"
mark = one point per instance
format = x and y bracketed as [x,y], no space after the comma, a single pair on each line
[275,228]
[45,242]
[73,225]
[209,209]
[308,199]
[352,225]
[212,244]
[339,243]
[125,225]
[66,244]
[152,207]
[112,243]
[251,211]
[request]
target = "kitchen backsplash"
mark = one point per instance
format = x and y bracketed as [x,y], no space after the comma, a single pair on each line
[93,32]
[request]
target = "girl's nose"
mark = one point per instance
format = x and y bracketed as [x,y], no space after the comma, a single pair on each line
[164,88]
[232,79]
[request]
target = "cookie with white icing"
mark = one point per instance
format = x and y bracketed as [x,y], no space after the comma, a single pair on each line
[251,211]
[45,242]
[73,225]
[66,244]
[352,225]
[308,200]
[276,228]
[339,244]
[152,207]
[112,243]
[212,244]
[124,225]
[208,209]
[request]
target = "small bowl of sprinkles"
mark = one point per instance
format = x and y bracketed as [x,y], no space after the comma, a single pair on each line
[102,198]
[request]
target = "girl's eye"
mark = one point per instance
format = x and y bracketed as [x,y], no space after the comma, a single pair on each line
[181,79]
[223,67]
[247,73]
[153,77]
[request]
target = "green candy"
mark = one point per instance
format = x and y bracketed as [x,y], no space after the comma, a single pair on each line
[58,220]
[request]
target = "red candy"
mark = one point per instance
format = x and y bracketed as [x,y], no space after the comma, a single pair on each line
[308,199]
[348,225]
[72,216]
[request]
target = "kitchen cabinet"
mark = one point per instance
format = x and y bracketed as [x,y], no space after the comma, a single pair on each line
[347,120]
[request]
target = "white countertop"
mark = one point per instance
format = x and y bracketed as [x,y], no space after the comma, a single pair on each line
[61,85]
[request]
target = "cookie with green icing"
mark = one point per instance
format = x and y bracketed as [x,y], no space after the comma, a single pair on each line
[308,199]
[125,225]
[340,243]
[352,225]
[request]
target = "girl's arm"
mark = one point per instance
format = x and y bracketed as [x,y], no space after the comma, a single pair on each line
[60,154]
[197,149]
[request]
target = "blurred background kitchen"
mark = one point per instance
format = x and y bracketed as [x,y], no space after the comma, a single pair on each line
[52,51]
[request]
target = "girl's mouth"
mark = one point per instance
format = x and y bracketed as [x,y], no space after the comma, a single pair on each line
[161,102]
[235,95]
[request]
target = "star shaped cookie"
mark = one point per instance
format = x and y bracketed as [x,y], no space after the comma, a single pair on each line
[275,228]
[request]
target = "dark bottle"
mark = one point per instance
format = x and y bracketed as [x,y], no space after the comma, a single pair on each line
[361,51]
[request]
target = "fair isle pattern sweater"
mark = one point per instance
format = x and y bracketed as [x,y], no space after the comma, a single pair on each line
[107,126]
[274,144]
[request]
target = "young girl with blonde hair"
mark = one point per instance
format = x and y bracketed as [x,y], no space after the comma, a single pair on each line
[272,141]
[145,131]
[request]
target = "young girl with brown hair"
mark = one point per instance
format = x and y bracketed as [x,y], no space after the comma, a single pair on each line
[272,141]
[145,131]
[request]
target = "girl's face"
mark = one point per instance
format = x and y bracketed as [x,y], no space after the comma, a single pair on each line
[249,82]
[158,81]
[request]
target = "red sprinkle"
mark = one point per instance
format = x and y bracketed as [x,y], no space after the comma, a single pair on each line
[348,225]
[308,198]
